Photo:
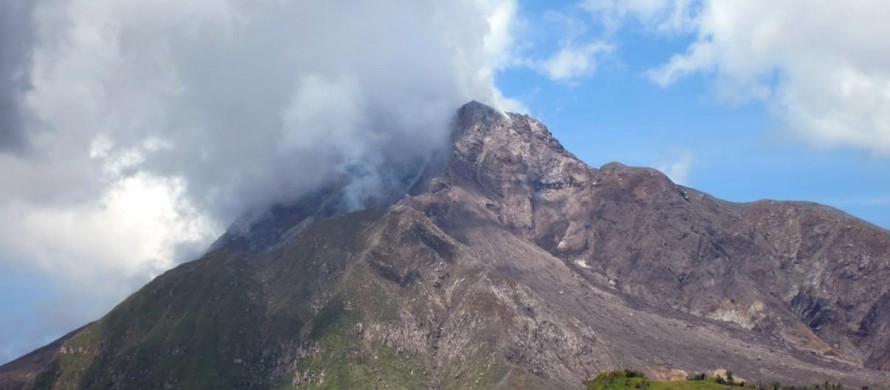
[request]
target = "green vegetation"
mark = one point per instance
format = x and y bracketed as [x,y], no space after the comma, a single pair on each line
[343,360]
[76,358]
[634,380]
[346,362]
[224,321]
[189,329]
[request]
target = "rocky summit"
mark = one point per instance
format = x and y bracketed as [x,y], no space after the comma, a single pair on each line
[507,263]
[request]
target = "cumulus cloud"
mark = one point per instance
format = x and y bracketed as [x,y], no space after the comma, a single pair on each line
[143,127]
[572,62]
[15,39]
[822,68]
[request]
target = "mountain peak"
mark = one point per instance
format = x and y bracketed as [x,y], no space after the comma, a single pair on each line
[475,106]
[484,141]
[502,153]
[508,263]
[483,118]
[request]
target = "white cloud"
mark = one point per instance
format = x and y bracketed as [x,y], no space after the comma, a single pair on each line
[150,124]
[660,15]
[92,254]
[567,52]
[678,167]
[822,68]
[572,62]
[132,230]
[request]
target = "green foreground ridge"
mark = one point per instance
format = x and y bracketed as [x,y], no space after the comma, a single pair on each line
[634,380]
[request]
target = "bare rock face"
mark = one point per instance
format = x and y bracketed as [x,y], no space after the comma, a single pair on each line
[511,264]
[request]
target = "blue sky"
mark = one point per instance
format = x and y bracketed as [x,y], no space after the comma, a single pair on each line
[735,151]
[132,133]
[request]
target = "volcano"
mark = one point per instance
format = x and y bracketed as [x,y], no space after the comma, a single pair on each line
[505,263]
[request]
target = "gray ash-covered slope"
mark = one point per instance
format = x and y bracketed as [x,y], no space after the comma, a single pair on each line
[509,265]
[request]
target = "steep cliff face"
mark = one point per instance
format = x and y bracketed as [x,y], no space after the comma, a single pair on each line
[510,264]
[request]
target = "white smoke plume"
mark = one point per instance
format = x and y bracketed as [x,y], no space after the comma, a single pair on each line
[139,128]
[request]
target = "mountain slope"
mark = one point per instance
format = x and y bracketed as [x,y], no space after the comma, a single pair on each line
[510,264]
